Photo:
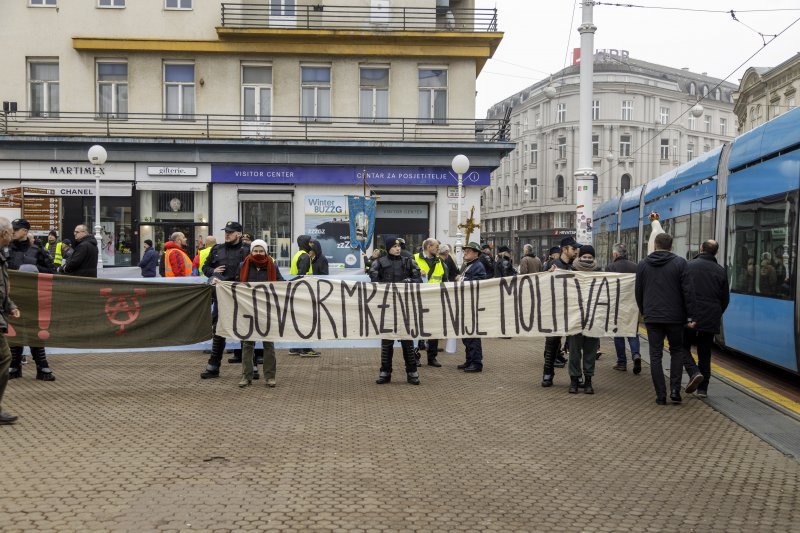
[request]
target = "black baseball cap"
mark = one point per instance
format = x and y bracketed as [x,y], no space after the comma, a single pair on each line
[569,241]
[554,250]
[233,226]
[20,223]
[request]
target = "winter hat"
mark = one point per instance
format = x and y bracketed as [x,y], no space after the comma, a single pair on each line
[259,242]
[586,249]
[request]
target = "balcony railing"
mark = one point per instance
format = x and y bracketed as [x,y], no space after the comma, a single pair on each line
[369,18]
[238,127]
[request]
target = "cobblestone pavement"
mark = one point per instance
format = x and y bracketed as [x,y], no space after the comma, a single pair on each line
[138,442]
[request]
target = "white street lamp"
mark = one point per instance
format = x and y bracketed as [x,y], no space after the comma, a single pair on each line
[97,157]
[460,166]
[697,110]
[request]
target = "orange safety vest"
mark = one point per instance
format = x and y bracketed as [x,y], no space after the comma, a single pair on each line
[187,263]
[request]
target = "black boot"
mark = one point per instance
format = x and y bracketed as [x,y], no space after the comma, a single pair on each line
[550,349]
[417,357]
[14,373]
[237,356]
[573,384]
[413,377]
[384,377]
[547,380]
[675,396]
[45,374]
[587,385]
[433,362]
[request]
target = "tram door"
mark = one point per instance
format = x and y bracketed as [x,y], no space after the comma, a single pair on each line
[701,224]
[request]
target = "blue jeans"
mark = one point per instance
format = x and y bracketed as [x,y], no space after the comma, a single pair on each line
[619,345]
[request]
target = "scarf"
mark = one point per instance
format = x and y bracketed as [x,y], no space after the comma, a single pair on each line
[582,265]
[260,261]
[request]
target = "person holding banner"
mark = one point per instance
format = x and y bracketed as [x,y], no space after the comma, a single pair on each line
[435,271]
[223,265]
[569,251]
[472,270]
[258,267]
[7,309]
[581,347]
[301,265]
[396,268]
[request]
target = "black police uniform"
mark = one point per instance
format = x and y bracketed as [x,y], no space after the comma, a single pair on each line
[231,256]
[21,253]
[397,269]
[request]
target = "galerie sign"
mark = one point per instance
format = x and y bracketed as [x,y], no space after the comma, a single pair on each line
[533,305]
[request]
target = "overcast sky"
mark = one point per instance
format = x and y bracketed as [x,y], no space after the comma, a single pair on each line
[537,34]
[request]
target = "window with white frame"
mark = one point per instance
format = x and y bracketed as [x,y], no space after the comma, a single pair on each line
[43,88]
[42,3]
[791,102]
[282,8]
[538,119]
[525,121]
[433,95]
[624,145]
[374,94]
[689,151]
[178,4]
[776,110]
[707,120]
[627,110]
[257,92]
[179,90]
[595,109]
[112,89]
[596,145]
[692,122]
[664,148]
[692,88]
[315,92]
[625,183]
[561,113]
[562,147]
[717,94]
[723,126]
[706,148]
[534,153]
[705,91]
[559,186]
[110,3]
[664,115]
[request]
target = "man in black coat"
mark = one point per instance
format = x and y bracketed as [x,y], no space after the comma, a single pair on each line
[665,296]
[84,259]
[712,295]
[487,260]
[622,265]
[552,345]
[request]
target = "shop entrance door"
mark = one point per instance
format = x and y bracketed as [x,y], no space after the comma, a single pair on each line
[272,222]
[163,231]
[407,221]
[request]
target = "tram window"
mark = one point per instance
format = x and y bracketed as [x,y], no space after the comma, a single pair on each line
[761,259]
[630,238]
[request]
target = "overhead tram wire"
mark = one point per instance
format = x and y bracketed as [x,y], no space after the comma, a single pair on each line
[696,10]
[702,98]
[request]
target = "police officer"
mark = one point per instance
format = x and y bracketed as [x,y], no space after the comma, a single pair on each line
[24,255]
[396,268]
[434,269]
[223,265]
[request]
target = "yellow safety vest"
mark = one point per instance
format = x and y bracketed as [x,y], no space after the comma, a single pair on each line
[438,270]
[58,259]
[203,256]
[293,270]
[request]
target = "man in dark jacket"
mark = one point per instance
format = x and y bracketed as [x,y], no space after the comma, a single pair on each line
[472,270]
[319,263]
[396,268]
[552,345]
[552,255]
[504,265]
[223,265]
[22,255]
[149,261]
[712,295]
[7,310]
[487,260]
[665,296]
[301,261]
[84,259]
[622,265]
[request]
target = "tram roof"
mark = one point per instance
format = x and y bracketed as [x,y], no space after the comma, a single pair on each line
[631,198]
[697,169]
[606,208]
[779,133]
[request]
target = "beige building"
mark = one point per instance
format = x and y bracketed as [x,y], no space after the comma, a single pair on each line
[256,110]
[642,127]
[765,93]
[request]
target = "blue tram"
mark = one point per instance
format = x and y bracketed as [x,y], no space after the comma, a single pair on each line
[744,195]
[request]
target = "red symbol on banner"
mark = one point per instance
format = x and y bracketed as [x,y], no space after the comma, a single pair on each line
[122,310]
[45,304]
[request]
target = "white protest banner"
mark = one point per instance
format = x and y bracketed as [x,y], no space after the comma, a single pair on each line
[532,305]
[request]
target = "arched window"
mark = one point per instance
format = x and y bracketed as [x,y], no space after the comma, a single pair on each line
[508,194]
[499,197]
[595,185]
[559,186]
[705,91]
[491,198]
[717,94]
[692,89]
[516,193]
[625,184]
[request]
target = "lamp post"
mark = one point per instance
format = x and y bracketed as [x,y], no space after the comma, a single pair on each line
[97,157]
[460,166]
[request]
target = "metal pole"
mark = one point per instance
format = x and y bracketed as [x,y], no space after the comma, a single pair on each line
[584,175]
[98,228]
[459,235]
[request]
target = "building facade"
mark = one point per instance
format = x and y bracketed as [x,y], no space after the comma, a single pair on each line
[765,93]
[646,120]
[268,111]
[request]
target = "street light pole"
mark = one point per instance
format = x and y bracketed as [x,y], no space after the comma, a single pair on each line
[584,175]
[97,157]
[460,166]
